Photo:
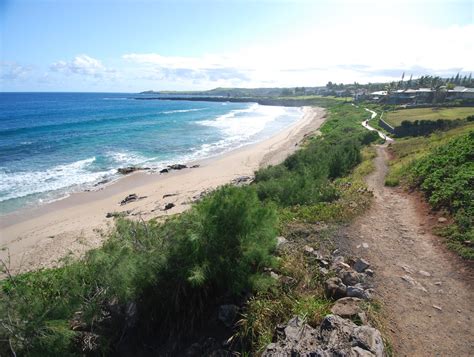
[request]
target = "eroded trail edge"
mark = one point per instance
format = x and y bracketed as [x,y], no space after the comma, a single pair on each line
[426,291]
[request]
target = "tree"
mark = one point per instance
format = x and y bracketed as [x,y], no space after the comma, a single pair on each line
[409,82]
[456,79]
[440,93]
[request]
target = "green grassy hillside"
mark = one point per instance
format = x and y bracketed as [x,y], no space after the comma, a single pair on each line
[396,117]
[442,166]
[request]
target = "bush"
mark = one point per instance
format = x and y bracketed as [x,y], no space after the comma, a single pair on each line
[305,177]
[446,176]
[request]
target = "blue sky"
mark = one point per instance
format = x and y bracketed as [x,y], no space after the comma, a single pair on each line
[105,45]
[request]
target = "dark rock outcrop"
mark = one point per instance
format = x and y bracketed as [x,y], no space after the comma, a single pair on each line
[177,167]
[335,288]
[169,206]
[130,198]
[129,169]
[347,307]
[361,265]
[335,337]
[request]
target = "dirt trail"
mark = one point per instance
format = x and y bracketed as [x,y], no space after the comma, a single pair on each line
[426,291]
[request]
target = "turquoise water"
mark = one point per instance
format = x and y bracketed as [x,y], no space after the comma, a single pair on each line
[52,144]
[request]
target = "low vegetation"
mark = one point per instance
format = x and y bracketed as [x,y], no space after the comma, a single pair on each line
[396,117]
[155,281]
[442,167]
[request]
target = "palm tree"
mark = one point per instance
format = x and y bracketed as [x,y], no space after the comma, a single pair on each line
[439,93]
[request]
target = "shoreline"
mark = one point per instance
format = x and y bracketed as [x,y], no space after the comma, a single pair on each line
[41,237]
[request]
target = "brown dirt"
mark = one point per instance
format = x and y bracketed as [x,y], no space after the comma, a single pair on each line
[426,291]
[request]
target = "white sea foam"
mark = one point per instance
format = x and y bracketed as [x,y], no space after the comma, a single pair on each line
[243,123]
[21,184]
[127,158]
[240,127]
[183,110]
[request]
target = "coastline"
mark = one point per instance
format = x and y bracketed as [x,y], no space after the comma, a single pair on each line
[43,236]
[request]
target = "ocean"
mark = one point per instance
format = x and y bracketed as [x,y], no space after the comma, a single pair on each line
[52,144]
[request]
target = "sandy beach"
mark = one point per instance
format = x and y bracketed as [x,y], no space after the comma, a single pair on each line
[44,236]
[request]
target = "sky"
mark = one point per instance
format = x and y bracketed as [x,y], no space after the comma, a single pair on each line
[136,45]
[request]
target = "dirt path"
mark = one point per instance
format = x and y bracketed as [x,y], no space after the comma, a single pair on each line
[366,125]
[426,291]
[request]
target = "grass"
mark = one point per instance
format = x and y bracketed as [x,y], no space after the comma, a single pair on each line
[309,100]
[318,97]
[174,271]
[395,118]
[409,150]
[442,167]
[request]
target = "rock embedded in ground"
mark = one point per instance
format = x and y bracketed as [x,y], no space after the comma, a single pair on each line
[357,292]
[227,314]
[130,198]
[242,180]
[129,169]
[361,265]
[347,307]
[169,206]
[102,182]
[442,220]
[164,171]
[281,241]
[177,166]
[350,277]
[335,288]
[424,273]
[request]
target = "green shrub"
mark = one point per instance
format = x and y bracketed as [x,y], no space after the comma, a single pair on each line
[446,176]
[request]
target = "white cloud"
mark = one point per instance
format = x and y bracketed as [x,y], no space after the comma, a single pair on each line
[363,51]
[13,70]
[83,65]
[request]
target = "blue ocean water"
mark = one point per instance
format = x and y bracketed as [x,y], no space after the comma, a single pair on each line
[52,144]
